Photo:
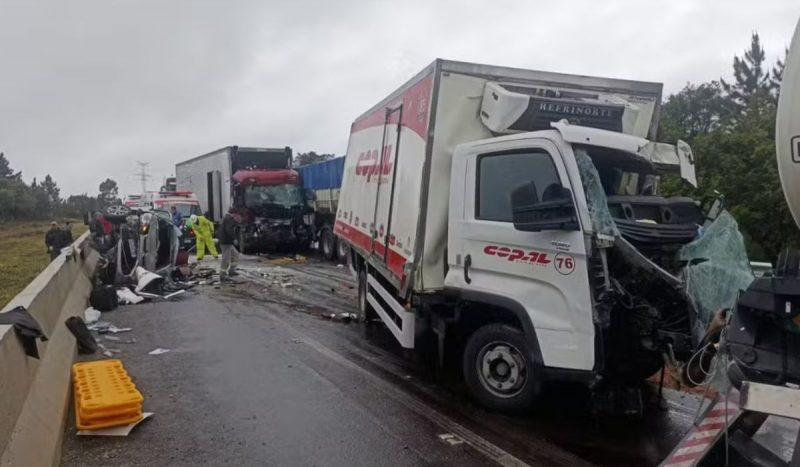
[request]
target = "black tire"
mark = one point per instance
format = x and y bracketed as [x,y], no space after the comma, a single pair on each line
[342,250]
[496,356]
[327,244]
[365,311]
[116,213]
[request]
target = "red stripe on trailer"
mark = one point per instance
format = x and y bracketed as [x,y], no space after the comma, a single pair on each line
[395,261]
[416,105]
[703,435]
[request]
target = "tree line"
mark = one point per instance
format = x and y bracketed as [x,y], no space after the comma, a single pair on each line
[20,200]
[731,128]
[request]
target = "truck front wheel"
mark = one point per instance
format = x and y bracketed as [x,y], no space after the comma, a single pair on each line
[327,244]
[497,369]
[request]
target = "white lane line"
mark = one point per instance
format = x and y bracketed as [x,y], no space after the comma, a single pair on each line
[480,444]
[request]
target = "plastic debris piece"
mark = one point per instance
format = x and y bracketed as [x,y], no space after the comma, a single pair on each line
[125,295]
[123,430]
[114,329]
[158,351]
[147,280]
[90,315]
[450,439]
[174,294]
[86,342]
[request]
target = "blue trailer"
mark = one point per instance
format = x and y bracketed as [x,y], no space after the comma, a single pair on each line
[322,182]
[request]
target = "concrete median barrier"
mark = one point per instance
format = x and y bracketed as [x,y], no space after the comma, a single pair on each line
[34,394]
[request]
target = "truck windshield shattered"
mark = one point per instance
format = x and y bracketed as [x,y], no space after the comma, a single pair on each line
[281,196]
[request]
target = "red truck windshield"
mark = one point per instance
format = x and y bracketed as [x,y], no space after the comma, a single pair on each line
[283,195]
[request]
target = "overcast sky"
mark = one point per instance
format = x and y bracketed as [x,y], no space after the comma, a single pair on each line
[87,88]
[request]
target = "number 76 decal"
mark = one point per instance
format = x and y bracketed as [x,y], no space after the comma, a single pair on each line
[564,263]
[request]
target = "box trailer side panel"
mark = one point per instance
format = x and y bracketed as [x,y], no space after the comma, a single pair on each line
[461,114]
[209,178]
[324,179]
[379,207]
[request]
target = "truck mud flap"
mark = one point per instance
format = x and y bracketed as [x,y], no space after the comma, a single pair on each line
[399,321]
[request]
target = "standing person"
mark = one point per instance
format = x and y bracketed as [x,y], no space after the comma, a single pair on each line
[54,240]
[203,232]
[68,233]
[230,255]
[177,219]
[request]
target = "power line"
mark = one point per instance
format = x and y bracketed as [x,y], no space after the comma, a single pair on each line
[142,174]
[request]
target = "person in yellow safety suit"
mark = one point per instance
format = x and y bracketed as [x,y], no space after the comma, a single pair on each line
[204,234]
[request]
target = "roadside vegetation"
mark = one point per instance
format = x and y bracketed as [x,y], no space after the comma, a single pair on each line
[24,254]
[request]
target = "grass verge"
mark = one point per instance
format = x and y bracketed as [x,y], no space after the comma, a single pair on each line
[23,254]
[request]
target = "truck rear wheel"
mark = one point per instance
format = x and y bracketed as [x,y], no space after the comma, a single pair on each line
[365,311]
[497,369]
[327,244]
[341,250]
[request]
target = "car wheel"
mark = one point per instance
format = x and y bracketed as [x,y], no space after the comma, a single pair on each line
[342,250]
[365,311]
[116,213]
[497,369]
[327,244]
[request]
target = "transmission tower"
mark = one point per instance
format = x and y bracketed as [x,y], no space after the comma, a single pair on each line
[142,174]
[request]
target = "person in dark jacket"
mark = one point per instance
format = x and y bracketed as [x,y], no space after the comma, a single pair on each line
[68,233]
[54,240]
[227,237]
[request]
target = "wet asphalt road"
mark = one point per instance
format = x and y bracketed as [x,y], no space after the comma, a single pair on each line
[256,376]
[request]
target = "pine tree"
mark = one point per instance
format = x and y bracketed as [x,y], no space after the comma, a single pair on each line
[53,191]
[751,89]
[5,169]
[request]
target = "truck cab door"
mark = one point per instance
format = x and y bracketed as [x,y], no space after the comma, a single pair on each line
[541,263]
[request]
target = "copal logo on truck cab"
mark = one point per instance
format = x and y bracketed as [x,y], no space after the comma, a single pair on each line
[515,254]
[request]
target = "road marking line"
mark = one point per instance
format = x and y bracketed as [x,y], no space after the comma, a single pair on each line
[484,446]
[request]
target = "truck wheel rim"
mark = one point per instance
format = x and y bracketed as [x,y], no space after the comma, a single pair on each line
[501,369]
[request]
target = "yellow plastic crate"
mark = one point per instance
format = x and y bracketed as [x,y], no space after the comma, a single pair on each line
[105,395]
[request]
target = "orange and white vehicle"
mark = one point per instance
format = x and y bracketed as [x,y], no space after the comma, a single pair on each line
[185,202]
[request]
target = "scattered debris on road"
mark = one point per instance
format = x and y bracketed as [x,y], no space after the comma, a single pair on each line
[90,315]
[158,351]
[123,430]
[86,341]
[451,439]
[343,317]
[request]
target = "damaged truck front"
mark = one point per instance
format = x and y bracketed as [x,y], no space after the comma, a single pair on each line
[514,218]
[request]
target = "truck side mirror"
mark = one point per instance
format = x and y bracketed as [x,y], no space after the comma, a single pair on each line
[556,210]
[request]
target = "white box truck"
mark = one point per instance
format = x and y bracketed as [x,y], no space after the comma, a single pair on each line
[512,216]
